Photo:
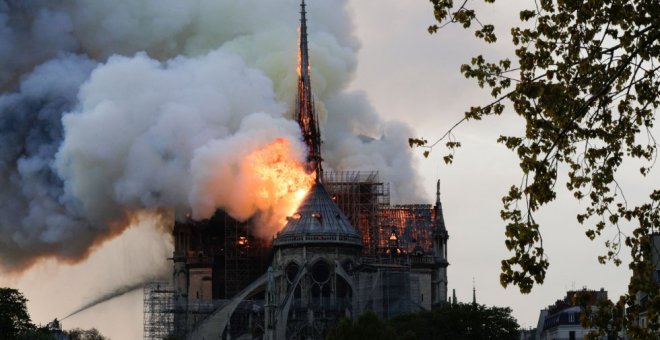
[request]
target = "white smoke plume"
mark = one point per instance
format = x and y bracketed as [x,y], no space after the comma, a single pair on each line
[109,108]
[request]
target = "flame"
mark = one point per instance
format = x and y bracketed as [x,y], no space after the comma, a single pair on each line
[242,241]
[282,182]
[299,67]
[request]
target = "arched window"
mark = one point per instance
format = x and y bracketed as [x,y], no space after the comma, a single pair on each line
[291,271]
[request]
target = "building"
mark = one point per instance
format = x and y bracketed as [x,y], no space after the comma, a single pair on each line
[345,250]
[528,334]
[561,321]
[643,299]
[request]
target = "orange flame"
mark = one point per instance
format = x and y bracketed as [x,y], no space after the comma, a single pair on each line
[283,183]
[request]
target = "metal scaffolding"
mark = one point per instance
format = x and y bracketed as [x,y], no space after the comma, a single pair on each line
[386,289]
[240,257]
[227,247]
[159,310]
[237,265]
[360,195]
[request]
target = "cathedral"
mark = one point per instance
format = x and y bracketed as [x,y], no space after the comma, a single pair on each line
[345,250]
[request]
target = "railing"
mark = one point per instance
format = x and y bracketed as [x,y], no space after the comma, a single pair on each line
[317,238]
[403,260]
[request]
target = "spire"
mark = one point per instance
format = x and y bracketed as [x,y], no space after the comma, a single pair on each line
[474,293]
[305,113]
[304,51]
[440,228]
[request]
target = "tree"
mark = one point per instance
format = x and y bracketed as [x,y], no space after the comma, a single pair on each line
[37,333]
[457,321]
[84,334]
[585,80]
[15,322]
[367,326]
[14,318]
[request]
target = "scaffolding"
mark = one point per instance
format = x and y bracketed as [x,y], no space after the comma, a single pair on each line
[237,269]
[224,245]
[240,257]
[159,310]
[386,288]
[360,195]
[413,224]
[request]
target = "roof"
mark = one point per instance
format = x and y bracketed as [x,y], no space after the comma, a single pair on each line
[318,220]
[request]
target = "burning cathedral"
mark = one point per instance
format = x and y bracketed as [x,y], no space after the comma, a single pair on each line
[345,250]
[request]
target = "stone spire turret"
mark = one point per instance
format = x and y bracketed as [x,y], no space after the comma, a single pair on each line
[440,263]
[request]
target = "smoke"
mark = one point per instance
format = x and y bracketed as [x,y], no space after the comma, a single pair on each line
[149,134]
[356,138]
[109,109]
[33,217]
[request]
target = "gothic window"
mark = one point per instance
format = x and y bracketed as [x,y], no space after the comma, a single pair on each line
[321,272]
[291,271]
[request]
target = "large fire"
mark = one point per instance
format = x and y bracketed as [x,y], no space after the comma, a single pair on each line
[283,182]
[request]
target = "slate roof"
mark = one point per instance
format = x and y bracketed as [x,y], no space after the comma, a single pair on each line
[318,220]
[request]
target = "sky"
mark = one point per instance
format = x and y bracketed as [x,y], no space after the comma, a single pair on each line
[407,76]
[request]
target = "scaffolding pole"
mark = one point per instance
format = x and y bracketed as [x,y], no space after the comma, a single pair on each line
[159,311]
[360,195]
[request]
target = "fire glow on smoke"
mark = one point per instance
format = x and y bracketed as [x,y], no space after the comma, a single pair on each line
[283,181]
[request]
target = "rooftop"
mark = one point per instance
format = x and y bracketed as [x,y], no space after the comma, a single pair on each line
[318,220]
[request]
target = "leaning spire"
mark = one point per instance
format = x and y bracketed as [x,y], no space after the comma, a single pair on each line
[305,113]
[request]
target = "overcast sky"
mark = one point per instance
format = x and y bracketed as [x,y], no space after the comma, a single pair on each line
[410,76]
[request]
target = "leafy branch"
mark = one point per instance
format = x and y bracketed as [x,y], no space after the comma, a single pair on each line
[588,89]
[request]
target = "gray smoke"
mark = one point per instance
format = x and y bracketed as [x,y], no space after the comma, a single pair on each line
[110,108]
[34,217]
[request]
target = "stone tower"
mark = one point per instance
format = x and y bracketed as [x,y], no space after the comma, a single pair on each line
[316,253]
